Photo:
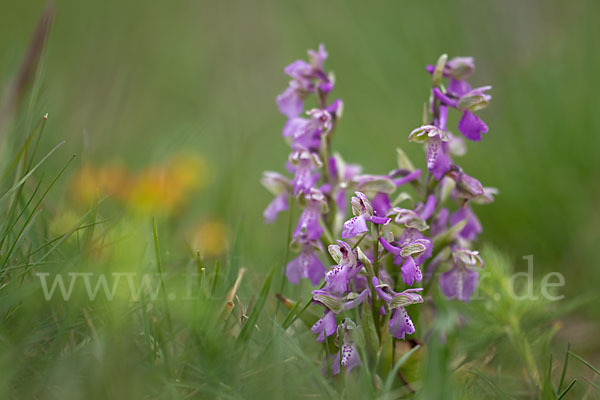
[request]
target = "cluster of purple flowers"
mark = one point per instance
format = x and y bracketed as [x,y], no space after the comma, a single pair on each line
[308,138]
[388,243]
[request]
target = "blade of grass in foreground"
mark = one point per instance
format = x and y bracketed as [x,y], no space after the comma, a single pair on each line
[31,171]
[290,317]
[573,382]
[160,273]
[564,369]
[585,379]
[590,366]
[390,379]
[248,328]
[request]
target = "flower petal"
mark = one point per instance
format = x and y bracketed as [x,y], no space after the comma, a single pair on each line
[410,272]
[279,204]
[459,283]
[354,226]
[471,126]
[437,161]
[401,324]
[290,103]
[326,324]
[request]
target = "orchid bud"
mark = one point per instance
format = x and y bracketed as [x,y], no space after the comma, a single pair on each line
[460,67]
[439,69]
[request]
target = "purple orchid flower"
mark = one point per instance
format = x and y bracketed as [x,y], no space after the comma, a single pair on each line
[405,256]
[438,162]
[467,187]
[412,236]
[327,324]
[349,359]
[281,187]
[457,68]
[337,279]
[354,227]
[381,204]
[306,265]
[303,74]
[472,228]
[309,227]
[279,204]
[304,162]
[291,101]
[317,58]
[425,210]
[307,133]
[459,283]
[408,218]
[400,323]
[363,212]
[440,222]
[408,177]
[470,125]
[411,250]
[459,95]
[410,271]
[461,280]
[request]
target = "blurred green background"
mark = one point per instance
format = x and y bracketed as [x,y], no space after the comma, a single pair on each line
[137,81]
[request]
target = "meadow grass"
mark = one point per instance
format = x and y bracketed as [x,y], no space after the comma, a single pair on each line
[226,333]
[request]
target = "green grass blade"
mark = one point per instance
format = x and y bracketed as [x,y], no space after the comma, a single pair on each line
[290,317]
[216,277]
[564,393]
[390,378]
[160,273]
[590,366]
[248,327]
[564,369]
[31,171]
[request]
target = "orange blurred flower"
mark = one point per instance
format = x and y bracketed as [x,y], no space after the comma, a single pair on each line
[91,182]
[210,238]
[158,189]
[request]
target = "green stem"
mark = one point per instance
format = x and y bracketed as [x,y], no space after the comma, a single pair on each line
[286,253]
[375,232]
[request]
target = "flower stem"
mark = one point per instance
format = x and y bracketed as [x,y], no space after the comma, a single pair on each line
[287,250]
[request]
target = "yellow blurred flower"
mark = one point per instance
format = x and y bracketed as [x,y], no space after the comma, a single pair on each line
[90,182]
[210,238]
[158,189]
[162,189]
